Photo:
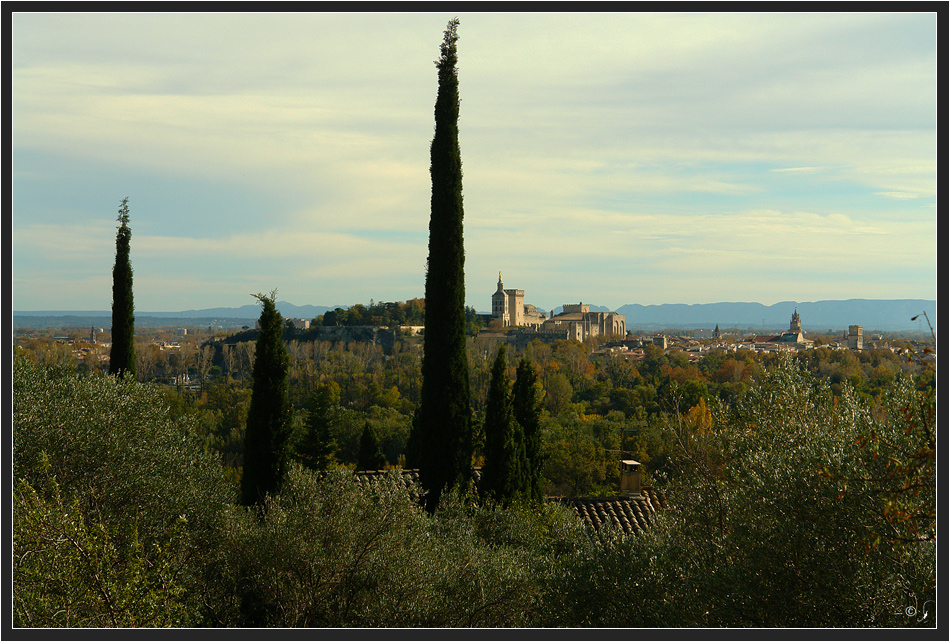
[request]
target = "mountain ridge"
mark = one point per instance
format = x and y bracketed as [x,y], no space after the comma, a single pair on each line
[836,315]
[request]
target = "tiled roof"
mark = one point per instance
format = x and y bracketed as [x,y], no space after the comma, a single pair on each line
[631,514]
[408,477]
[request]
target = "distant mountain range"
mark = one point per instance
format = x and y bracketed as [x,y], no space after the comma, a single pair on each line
[872,314]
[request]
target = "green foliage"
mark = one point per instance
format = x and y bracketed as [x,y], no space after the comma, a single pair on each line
[115,504]
[445,445]
[73,569]
[267,440]
[902,443]
[411,312]
[526,406]
[558,393]
[317,447]
[329,554]
[370,457]
[501,479]
[574,461]
[767,523]
[793,507]
[122,355]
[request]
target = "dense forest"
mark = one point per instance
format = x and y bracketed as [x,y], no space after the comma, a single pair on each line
[595,402]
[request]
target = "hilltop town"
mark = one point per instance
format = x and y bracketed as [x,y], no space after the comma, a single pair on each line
[511,320]
[515,322]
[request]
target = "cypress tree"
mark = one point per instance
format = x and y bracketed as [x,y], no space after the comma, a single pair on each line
[122,354]
[501,478]
[526,406]
[317,447]
[370,456]
[444,443]
[267,438]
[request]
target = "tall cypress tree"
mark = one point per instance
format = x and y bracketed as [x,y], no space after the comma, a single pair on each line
[444,441]
[122,354]
[267,438]
[526,406]
[501,478]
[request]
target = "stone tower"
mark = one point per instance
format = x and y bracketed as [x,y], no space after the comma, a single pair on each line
[507,305]
[795,327]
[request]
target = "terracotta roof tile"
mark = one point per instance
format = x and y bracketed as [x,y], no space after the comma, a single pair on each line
[631,514]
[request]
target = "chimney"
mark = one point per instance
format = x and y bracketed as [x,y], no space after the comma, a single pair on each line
[629,477]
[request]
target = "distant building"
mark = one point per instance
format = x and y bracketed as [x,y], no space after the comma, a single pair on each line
[509,307]
[793,339]
[300,324]
[576,321]
[855,337]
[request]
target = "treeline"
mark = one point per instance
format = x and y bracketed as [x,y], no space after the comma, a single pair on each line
[593,405]
[390,315]
[411,312]
[793,507]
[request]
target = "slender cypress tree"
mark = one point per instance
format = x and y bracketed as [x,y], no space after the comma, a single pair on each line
[501,473]
[267,438]
[370,455]
[122,354]
[444,443]
[526,406]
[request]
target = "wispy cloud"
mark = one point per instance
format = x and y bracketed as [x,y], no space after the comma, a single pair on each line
[630,157]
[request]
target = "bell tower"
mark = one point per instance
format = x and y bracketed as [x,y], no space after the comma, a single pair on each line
[499,302]
[796,325]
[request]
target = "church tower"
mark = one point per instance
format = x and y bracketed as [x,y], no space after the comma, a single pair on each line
[499,302]
[507,305]
[795,326]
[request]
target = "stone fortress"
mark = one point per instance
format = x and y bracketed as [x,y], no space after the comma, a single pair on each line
[576,321]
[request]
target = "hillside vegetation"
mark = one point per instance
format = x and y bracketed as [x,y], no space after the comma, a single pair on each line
[795,504]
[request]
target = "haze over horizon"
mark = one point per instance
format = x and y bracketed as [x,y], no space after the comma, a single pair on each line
[608,158]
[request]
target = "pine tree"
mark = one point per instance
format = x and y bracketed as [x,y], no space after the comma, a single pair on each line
[501,478]
[444,442]
[122,354]
[370,456]
[526,405]
[267,438]
[318,447]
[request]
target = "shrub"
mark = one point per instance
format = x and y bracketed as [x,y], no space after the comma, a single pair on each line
[100,458]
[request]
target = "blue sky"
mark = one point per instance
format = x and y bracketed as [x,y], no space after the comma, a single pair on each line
[607,158]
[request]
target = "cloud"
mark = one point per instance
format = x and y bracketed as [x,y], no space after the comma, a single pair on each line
[639,152]
[897,195]
[795,170]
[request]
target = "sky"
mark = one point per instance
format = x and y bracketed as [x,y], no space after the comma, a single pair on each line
[607,158]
